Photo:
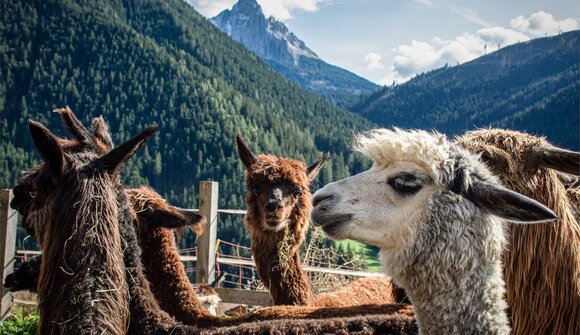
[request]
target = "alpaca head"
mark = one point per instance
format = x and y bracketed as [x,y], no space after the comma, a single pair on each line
[153,211]
[62,168]
[391,204]
[524,162]
[150,208]
[25,278]
[277,187]
[75,210]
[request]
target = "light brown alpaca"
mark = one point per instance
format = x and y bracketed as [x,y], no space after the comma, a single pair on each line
[542,264]
[279,201]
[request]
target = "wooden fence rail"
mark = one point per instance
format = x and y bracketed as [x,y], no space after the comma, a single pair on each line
[205,259]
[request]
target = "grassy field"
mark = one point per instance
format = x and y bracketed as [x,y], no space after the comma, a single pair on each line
[371,257]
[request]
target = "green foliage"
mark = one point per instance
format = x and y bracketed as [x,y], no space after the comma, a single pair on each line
[531,86]
[152,61]
[20,323]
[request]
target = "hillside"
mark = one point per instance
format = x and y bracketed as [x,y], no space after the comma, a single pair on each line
[140,62]
[530,86]
[271,40]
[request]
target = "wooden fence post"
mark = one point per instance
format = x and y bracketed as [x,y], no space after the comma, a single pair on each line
[8,222]
[208,206]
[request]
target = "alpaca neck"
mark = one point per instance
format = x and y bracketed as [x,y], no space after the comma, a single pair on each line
[282,274]
[82,272]
[465,306]
[456,303]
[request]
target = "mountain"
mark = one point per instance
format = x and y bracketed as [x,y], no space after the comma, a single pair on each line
[139,62]
[272,41]
[531,86]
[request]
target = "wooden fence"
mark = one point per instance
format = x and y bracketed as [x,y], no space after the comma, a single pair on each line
[205,260]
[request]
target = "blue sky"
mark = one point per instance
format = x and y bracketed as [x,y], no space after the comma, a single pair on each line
[392,40]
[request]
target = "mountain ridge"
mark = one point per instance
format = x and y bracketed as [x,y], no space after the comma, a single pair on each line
[271,40]
[489,91]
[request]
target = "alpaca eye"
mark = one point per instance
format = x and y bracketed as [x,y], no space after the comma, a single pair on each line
[256,191]
[298,192]
[32,194]
[405,186]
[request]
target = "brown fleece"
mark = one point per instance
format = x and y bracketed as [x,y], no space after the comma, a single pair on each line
[287,282]
[542,263]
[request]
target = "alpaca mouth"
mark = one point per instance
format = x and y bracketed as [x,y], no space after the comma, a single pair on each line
[275,223]
[11,284]
[332,224]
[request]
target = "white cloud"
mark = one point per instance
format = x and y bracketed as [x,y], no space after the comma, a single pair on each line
[419,56]
[542,23]
[211,8]
[372,61]
[280,9]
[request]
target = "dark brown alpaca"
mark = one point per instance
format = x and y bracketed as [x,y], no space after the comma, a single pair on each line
[279,201]
[82,277]
[542,264]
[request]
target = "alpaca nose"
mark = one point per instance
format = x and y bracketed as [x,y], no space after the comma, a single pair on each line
[275,200]
[319,198]
[273,205]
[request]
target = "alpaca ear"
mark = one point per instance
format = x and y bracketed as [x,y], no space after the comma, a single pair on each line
[246,155]
[49,149]
[101,133]
[75,127]
[461,182]
[559,159]
[173,218]
[116,157]
[569,180]
[507,204]
[315,168]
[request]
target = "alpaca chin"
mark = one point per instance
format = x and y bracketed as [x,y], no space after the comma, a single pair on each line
[274,225]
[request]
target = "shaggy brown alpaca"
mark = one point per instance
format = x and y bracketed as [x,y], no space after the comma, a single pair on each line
[161,259]
[82,276]
[279,201]
[542,265]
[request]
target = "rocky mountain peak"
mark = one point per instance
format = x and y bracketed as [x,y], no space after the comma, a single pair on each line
[267,37]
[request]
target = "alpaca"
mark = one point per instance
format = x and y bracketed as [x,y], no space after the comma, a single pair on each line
[438,216]
[82,276]
[278,199]
[544,259]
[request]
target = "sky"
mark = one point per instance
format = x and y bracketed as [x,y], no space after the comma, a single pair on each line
[388,41]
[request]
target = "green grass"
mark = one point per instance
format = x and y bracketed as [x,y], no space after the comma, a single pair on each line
[20,323]
[371,257]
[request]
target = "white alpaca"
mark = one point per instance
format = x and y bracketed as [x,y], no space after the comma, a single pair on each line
[436,213]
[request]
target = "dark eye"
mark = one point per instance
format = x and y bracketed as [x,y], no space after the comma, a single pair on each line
[405,186]
[32,194]
[256,190]
[297,192]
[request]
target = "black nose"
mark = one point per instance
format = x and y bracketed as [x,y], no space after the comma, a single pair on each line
[273,205]
[318,198]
